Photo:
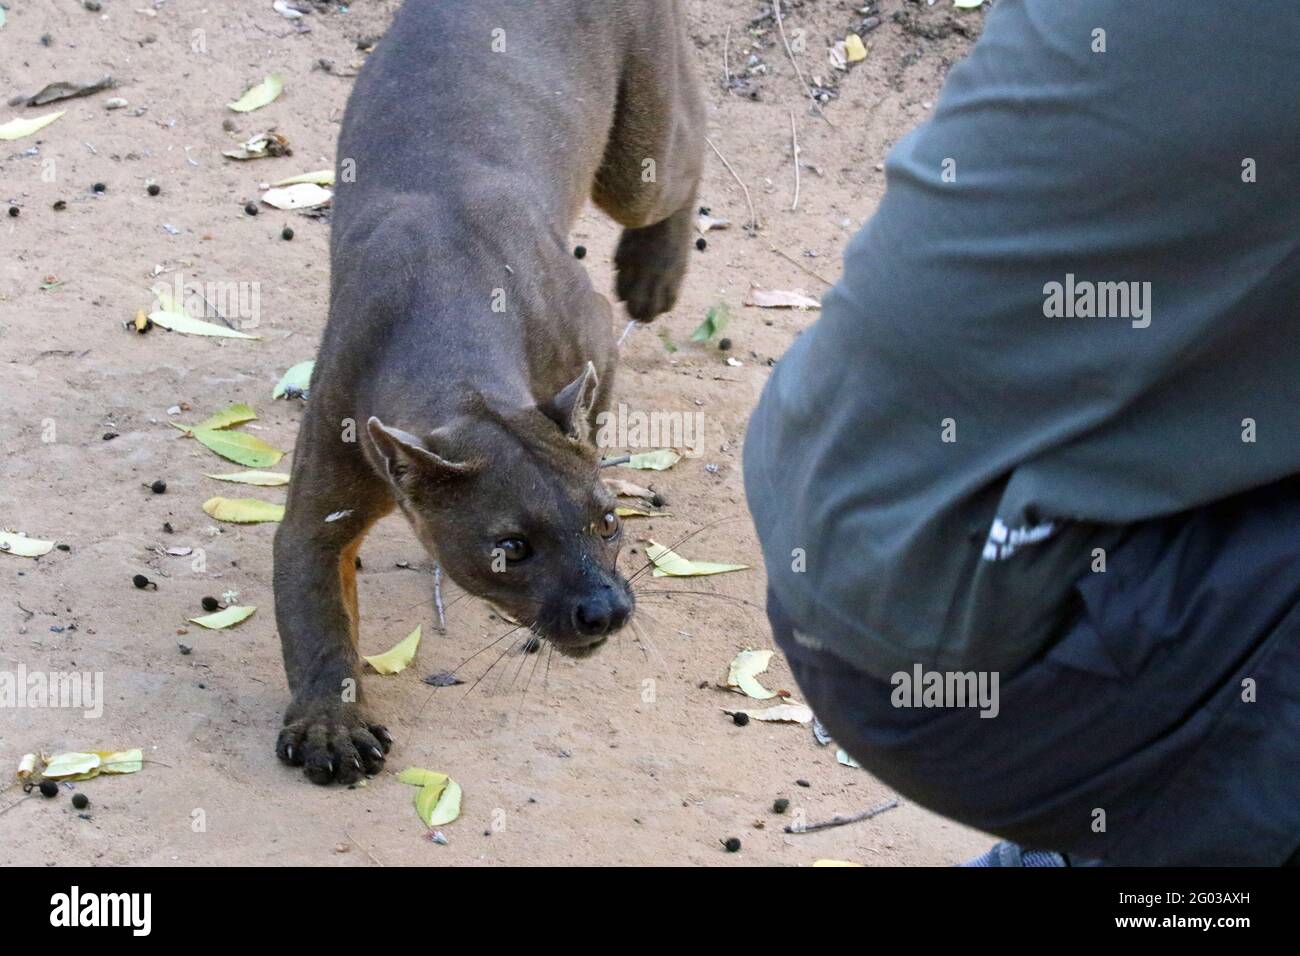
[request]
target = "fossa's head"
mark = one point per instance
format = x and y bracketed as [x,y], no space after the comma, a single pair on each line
[511,503]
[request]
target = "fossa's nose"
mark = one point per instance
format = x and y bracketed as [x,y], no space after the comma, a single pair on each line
[601,613]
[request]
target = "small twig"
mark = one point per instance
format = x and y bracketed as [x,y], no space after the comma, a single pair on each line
[753,216]
[622,460]
[726,58]
[373,858]
[793,261]
[842,821]
[437,598]
[794,149]
[780,25]
[15,803]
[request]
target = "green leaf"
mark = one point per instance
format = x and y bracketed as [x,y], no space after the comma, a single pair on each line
[264,479]
[243,510]
[259,95]
[225,618]
[421,777]
[744,673]
[671,564]
[298,377]
[438,804]
[396,658]
[669,345]
[187,324]
[18,128]
[660,460]
[239,447]
[714,322]
[236,414]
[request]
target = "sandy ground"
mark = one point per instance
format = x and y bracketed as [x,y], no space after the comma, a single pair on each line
[622,759]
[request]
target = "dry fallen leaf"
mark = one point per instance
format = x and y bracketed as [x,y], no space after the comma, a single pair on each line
[396,658]
[63,90]
[321,177]
[18,544]
[627,489]
[262,146]
[781,299]
[744,672]
[227,617]
[243,510]
[669,563]
[297,196]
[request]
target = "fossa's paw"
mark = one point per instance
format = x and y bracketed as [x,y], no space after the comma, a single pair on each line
[651,263]
[332,741]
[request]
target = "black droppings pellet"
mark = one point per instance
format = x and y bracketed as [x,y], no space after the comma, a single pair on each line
[724,344]
[740,719]
[780,805]
[60,205]
[203,687]
[701,243]
[109,436]
[803,783]
[251,208]
[80,801]
[99,188]
[64,547]
[46,39]
[286,233]
[49,788]
[140,581]
[167,527]
[210,604]
[158,487]
[704,210]
[732,844]
[657,500]
[185,649]
[14,211]
[579,252]
[153,189]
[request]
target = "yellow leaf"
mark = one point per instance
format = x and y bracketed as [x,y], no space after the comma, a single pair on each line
[395,659]
[227,617]
[187,324]
[835,863]
[266,479]
[17,129]
[72,764]
[239,447]
[259,95]
[420,777]
[671,564]
[854,51]
[16,543]
[243,510]
[744,670]
[660,460]
[321,177]
[438,804]
[236,414]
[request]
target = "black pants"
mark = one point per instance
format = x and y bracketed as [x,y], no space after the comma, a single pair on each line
[1162,729]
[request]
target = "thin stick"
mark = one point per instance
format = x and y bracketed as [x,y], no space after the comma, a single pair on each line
[842,821]
[363,849]
[793,261]
[794,149]
[780,25]
[726,58]
[437,598]
[753,216]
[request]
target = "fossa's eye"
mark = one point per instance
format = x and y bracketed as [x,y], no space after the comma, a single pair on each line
[609,525]
[514,549]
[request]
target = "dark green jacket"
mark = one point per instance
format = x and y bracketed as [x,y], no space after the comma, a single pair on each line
[1077,307]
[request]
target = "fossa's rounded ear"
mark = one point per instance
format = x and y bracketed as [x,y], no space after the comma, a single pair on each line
[406,458]
[571,408]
